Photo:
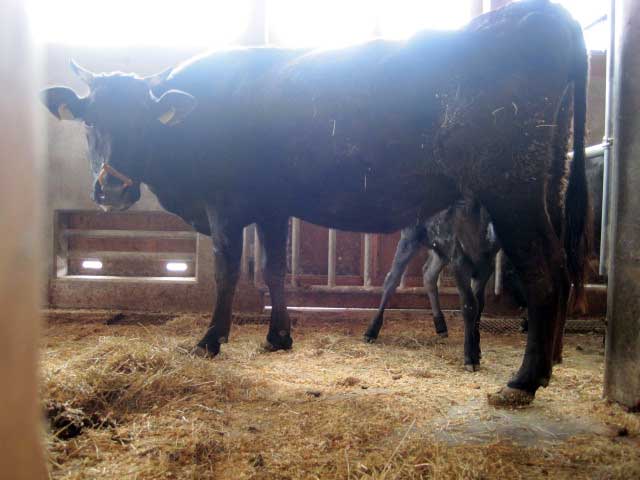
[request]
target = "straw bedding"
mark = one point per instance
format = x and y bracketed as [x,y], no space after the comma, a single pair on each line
[127,401]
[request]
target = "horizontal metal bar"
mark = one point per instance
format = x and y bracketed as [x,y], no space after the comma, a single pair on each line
[120,279]
[594,151]
[129,234]
[597,21]
[362,289]
[113,255]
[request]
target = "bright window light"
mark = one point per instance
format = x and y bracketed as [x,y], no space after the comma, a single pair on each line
[586,12]
[402,18]
[321,23]
[92,264]
[139,22]
[177,267]
[334,23]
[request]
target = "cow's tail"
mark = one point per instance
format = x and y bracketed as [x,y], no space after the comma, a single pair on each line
[578,229]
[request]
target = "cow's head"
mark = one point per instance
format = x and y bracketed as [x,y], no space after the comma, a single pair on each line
[120,115]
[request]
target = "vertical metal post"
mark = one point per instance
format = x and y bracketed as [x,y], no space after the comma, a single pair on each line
[622,351]
[244,264]
[295,250]
[607,140]
[497,287]
[331,262]
[366,273]
[257,257]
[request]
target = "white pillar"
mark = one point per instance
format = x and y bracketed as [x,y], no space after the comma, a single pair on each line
[257,257]
[366,274]
[295,250]
[331,262]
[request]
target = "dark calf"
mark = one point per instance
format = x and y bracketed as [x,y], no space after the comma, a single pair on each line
[463,237]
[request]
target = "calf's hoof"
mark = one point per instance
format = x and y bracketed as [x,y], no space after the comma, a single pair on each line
[472,367]
[510,397]
[444,334]
[278,341]
[369,338]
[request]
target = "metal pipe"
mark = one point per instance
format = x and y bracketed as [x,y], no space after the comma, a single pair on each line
[603,266]
[295,250]
[597,21]
[594,151]
[497,286]
[366,274]
[331,262]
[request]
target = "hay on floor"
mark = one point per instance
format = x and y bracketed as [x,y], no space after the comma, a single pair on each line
[128,402]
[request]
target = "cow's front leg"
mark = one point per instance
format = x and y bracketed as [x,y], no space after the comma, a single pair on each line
[274,238]
[227,250]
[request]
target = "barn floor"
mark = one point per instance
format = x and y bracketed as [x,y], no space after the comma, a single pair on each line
[126,401]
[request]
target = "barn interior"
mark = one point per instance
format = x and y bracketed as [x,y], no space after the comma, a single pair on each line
[102,308]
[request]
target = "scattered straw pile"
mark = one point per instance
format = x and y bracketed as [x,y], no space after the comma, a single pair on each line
[125,401]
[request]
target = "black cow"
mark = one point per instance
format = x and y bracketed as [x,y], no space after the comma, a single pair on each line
[462,236]
[369,138]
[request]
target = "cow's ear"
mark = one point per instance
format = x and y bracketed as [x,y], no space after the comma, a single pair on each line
[63,102]
[174,106]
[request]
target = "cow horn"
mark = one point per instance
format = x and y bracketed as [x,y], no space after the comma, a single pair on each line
[157,78]
[85,75]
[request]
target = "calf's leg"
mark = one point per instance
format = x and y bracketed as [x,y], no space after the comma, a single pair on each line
[410,240]
[430,272]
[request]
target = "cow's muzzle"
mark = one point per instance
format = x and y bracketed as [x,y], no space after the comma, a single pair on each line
[113,190]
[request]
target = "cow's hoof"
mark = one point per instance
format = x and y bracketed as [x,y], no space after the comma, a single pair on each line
[444,334]
[270,347]
[205,351]
[472,367]
[369,339]
[510,397]
[276,341]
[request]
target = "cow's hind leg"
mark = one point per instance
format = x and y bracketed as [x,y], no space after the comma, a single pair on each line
[430,274]
[531,243]
[227,250]
[462,270]
[409,244]
[274,238]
